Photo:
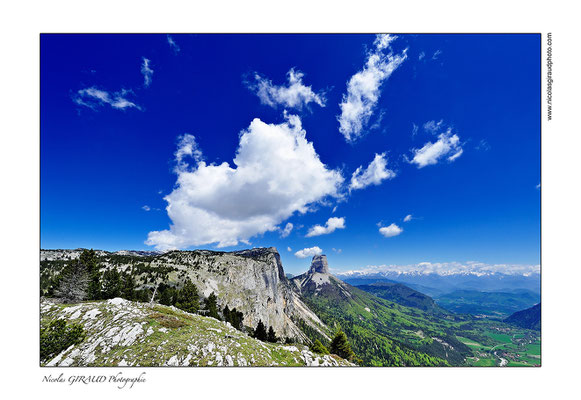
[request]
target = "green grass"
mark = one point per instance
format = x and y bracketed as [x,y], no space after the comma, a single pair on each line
[485,362]
[534,349]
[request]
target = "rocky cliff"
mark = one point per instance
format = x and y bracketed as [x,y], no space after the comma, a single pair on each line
[252,281]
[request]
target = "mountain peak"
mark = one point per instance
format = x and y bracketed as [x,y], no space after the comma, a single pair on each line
[319,264]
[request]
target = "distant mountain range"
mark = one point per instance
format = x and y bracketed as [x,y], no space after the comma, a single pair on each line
[434,284]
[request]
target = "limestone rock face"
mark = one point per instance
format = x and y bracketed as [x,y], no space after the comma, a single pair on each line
[252,281]
[319,264]
[317,280]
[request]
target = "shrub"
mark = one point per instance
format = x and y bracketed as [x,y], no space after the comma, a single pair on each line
[57,336]
[317,347]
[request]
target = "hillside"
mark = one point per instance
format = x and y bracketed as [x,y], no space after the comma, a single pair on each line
[528,319]
[252,281]
[403,295]
[498,304]
[124,333]
[382,332]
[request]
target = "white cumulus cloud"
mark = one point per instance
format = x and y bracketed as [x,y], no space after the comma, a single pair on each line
[374,174]
[447,146]
[276,172]
[331,226]
[147,72]
[363,88]
[294,95]
[94,98]
[309,252]
[390,231]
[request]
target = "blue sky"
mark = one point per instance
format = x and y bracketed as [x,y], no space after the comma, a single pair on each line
[445,128]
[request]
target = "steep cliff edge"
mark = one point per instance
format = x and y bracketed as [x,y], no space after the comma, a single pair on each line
[252,281]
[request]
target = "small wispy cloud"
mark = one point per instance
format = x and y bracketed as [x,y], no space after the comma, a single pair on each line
[482,145]
[447,146]
[391,230]
[309,252]
[187,148]
[94,98]
[287,230]
[146,208]
[146,71]
[538,186]
[407,218]
[433,127]
[331,226]
[437,54]
[374,174]
[293,95]
[421,56]
[173,45]
[415,129]
[289,249]
[363,88]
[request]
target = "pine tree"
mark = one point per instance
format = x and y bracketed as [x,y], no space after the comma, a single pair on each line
[73,283]
[271,336]
[188,299]
[226,313]
[168,297]
[111,284]
[260,331]
[89,259]
[128,287]
[211,304]
[317,347]
[341,347]
[236,318]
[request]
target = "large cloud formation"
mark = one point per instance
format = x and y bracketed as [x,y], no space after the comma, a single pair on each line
[363,88]
[276,173]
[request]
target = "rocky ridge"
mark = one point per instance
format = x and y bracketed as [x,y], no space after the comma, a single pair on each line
[124,333]
[252,281]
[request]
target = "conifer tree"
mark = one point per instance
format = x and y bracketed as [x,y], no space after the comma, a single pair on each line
[211,304]
[168,296]
[260,331]
[73,283]
[271,335]
[236,318]
[188,299]
[89,259]
[111,284]
[226,313]
[128,287]
[341,347]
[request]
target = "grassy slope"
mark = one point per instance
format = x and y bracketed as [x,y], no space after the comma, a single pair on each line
[134,334]
[388,334]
